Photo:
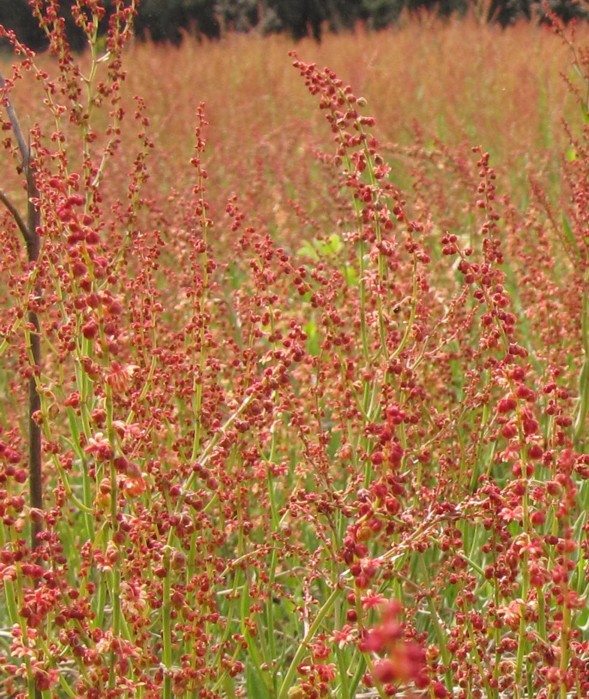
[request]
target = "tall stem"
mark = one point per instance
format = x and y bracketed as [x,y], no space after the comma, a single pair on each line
[33,245]
[35,450]
[32,240]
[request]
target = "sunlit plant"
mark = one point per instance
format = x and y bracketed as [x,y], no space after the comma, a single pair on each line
[237,462]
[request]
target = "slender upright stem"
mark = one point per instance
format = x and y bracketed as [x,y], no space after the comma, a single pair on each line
[33,245]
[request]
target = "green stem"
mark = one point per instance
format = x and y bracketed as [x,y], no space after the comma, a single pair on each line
[302,649]
[167,628]
[274,558]
[522,643]
[583,405]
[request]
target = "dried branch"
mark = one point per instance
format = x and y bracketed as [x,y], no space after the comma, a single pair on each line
[20,139]
[33,243]
[15,214]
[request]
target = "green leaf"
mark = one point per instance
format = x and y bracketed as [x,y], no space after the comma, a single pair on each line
[307,250]
[318,248]
[236,275]
[256,689]
[335,243]
[350,275]
[313,345]
[568,234]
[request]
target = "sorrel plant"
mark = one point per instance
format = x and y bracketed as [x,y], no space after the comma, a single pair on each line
[348,463]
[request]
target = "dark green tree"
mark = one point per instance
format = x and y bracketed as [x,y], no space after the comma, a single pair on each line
[300,18]
[239,15]
[382,13]
[16,15]
[170,20]
[167,21]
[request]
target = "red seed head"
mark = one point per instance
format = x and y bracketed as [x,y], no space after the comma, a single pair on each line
[506,405]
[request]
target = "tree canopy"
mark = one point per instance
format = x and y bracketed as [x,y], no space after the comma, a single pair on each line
[171,20]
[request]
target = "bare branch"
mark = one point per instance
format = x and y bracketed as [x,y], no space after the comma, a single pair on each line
[29,231]
[33,243]
[20,139]
[15,215]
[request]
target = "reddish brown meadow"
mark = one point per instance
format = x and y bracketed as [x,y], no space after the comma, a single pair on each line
[312,375]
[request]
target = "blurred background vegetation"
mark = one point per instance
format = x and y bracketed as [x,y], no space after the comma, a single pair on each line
[171,20]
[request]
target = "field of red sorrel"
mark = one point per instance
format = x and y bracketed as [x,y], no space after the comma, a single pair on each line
[309,389]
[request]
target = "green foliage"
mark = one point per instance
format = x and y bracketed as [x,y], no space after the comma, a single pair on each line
[383,12]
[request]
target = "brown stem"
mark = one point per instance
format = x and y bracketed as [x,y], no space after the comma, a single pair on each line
[15,214]
[33,244]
